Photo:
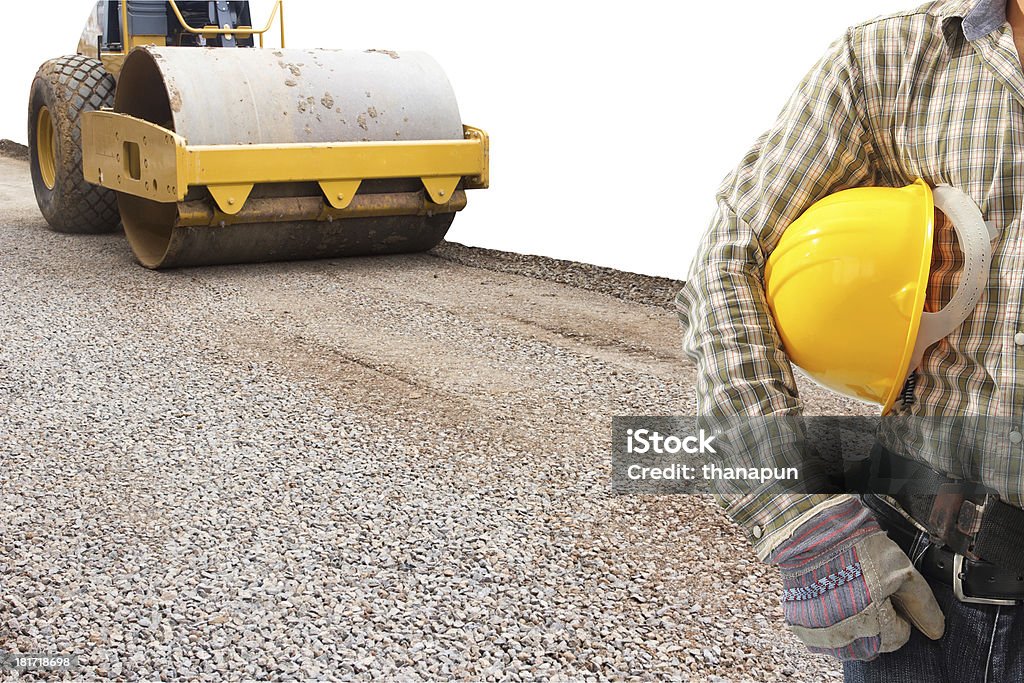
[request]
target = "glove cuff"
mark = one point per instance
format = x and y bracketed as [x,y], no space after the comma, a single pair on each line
[824,536]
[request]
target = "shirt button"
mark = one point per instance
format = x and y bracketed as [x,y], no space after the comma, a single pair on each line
[1015,437]
[758,532]
[1018,339]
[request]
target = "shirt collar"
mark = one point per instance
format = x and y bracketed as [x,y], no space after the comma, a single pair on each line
[975,18]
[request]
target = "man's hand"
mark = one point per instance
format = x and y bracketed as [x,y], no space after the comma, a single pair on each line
[849,590]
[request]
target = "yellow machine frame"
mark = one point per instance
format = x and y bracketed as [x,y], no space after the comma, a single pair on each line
[140,158]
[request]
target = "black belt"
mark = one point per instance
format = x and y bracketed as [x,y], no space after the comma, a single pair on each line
[973,581]
[966,517]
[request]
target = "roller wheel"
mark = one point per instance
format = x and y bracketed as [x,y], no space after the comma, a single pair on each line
[62,91]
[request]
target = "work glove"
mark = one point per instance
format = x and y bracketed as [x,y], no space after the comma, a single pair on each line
[848,590]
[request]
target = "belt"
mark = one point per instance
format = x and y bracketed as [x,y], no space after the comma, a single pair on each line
[966,517]
[973,581]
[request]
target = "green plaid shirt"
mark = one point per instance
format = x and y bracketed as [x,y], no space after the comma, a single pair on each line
[936,93]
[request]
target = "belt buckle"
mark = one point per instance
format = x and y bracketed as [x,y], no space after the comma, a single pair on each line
[958,587]
[955,519]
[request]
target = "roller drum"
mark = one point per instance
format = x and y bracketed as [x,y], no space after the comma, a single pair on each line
[216,96]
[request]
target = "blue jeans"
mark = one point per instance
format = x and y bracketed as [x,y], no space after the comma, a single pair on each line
[982,644]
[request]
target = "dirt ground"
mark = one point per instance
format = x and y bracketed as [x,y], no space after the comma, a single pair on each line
[457,408]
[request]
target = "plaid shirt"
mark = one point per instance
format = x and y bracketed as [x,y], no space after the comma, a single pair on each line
[936,93]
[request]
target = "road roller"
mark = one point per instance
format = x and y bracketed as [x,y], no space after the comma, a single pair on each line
[175,121]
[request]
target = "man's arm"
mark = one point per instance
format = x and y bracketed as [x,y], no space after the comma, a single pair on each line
[818,145]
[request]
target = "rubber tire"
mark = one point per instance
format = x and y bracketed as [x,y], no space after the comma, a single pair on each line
[68,87]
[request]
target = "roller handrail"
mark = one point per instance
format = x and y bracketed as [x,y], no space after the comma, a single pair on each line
[214,30]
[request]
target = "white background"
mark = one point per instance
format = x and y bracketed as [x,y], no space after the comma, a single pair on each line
[612,124]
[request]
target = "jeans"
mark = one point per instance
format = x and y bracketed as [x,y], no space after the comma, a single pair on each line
[982,644]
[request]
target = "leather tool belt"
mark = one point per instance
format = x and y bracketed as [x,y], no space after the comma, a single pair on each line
[974,541]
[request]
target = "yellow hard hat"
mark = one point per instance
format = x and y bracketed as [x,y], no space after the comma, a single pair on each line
[846,285]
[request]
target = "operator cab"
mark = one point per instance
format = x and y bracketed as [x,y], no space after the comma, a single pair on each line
[155,22]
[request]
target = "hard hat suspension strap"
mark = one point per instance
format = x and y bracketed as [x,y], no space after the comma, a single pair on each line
[975,243]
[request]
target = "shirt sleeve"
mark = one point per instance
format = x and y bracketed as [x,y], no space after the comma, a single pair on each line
[818,145]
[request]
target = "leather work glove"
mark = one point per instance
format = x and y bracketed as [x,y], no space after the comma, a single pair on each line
[848,590]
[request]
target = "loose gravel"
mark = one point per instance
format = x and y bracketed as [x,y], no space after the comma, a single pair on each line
[353,469]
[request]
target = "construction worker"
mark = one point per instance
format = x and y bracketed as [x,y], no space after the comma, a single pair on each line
[934,93]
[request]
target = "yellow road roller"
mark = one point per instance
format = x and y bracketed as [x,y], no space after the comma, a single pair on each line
[175,121]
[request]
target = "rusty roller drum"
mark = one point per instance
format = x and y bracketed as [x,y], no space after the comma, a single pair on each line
[232,97]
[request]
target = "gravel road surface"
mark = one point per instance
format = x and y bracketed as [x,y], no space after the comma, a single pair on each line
[353,468]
